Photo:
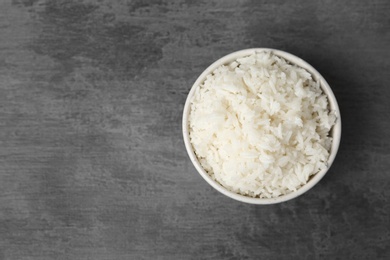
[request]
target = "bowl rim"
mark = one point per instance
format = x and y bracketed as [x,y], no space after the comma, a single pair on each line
[335,131]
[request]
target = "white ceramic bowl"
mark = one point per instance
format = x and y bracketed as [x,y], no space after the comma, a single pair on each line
[335,132]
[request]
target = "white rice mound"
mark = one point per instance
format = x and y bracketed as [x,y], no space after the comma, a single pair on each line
[260,126]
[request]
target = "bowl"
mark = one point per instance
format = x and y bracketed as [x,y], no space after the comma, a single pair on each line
[335,131]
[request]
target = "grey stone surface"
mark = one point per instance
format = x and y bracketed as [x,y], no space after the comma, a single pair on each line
[92,162]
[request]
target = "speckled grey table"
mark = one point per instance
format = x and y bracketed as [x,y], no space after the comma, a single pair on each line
[92,162]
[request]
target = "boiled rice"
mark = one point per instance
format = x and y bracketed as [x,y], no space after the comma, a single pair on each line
[260,126]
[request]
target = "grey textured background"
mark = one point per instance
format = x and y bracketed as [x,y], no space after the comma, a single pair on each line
[92,162]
